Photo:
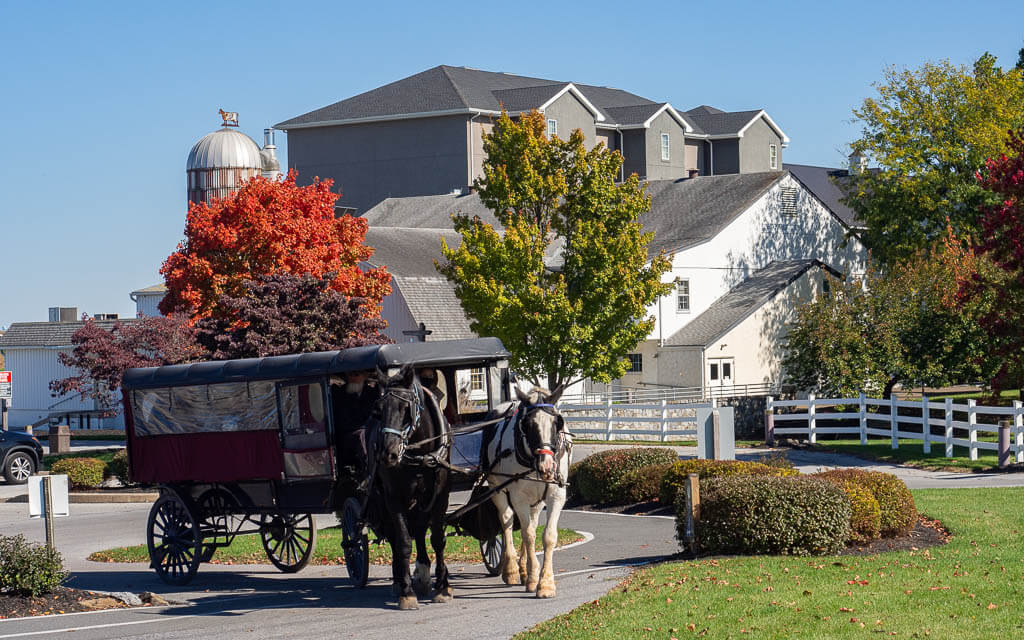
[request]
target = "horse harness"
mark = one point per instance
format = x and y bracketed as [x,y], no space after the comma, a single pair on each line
[521,445]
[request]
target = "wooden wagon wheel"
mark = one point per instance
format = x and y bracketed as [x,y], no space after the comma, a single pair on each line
[355,543]
[491,550]
[174,540]
[218,510]
[288,539]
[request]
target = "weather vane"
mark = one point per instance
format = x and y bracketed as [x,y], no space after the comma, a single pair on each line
[230,118]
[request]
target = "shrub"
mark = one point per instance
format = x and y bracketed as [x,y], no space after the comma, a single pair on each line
[897,513]
[674,479]
[599,478]
[82,472]
[777,459]
[28,569]
[770,515]
[865,514]
[118,467]
[644,484]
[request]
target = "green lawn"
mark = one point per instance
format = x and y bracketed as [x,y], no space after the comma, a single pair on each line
[911,453]
[106,455]
[248,549]
[971,588]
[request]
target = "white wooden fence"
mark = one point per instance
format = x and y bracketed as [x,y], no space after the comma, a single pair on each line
[662,421]
[960,422]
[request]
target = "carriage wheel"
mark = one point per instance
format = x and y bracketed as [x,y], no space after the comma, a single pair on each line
[491,550]
[174,540]
[355,543]
[218,510]
[288,539]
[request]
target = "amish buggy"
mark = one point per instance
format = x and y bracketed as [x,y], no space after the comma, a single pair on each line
[261,445]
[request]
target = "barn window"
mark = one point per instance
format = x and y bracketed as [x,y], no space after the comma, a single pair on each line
[773,156]
[788,197]
[636,362]
[552,127]
[666,151]
[683,296]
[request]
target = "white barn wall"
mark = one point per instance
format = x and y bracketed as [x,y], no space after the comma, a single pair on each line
[148,305]
[33,369]
[396,313]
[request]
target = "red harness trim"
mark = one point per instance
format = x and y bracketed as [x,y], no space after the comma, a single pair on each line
[545,452]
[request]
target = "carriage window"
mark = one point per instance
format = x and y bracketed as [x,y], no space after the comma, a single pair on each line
[471,385]
[233,406]
[303,416]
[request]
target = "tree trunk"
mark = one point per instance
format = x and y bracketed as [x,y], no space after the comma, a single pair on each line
[887,392]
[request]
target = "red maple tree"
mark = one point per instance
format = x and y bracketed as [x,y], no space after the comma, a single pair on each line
[268,227]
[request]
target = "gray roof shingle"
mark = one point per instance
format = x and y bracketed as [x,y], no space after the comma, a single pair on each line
[741,301]
[722,123]
[432,301]
[826,184]
[526,98]
[427,212]
[409,252]
[48,334]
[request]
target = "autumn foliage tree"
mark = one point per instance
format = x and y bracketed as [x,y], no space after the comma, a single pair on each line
[101,356]
[268,227]
[284,313]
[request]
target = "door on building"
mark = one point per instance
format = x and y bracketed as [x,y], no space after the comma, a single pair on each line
[721,373]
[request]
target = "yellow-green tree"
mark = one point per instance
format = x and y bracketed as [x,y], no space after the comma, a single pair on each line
[566,284]
[930,130]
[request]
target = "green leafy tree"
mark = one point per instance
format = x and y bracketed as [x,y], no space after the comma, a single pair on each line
[930,130]
[567,283]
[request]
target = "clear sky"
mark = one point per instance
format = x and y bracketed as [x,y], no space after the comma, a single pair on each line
[101,101]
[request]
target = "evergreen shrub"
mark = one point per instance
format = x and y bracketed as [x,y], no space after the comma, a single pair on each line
[600,477]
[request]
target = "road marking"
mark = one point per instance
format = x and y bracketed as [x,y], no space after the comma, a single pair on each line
[607,568]
[621,515]
[94,626]
[86,613]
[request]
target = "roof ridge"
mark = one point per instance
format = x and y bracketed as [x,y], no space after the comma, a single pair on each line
[455,87]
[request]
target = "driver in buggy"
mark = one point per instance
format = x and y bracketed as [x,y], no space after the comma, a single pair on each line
[352,401]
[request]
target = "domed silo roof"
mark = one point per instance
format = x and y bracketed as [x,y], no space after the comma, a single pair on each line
[223,149]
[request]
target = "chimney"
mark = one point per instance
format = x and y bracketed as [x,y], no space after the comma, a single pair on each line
[63,314]
[858,161]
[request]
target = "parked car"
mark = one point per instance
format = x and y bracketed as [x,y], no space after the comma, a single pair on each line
[21,456]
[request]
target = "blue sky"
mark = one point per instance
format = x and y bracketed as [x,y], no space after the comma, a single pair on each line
[101,102]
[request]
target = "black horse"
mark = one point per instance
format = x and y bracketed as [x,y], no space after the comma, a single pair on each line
[410,489]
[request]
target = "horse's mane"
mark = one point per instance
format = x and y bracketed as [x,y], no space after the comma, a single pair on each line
[537,395]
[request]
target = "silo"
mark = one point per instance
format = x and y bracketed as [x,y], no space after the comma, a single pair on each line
[221,161]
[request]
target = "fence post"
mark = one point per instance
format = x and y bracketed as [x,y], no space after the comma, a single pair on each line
[894,425]
[1018,428]
[1004,444]
[926,426]
[972,429]
[812,427]
[863,411]
[664,420]
[949,427]
[769,422]
[608,421]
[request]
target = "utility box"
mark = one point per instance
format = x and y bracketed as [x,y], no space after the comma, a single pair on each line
[60,438]
[716,434]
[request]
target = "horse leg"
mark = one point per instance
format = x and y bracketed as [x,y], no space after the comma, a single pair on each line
[443,591]
[421,580]
[546,588]
[401,549]
[529,570]
[509,560]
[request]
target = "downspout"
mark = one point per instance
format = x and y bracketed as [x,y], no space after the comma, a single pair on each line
[703,368]
[622,168]
[471,164]
[661,333]
[711,155]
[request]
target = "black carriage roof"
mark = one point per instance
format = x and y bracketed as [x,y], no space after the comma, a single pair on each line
[303,365]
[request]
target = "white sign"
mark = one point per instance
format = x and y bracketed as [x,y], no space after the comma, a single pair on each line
[6,385]
[58,493]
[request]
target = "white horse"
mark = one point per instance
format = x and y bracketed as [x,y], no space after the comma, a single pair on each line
[533,446]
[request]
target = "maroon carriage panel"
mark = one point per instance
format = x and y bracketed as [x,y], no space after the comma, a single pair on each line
[207,457]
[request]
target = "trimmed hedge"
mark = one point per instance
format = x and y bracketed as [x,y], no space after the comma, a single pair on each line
[644,484]
[897,513]
[769,515]
[84,473]
[118,467]
[600,478]
[28,569]
[674,479]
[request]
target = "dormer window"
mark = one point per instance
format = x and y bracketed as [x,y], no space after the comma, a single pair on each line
[552,128]
[666,151]
[773,156]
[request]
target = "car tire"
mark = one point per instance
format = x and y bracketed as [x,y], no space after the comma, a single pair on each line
[18,467]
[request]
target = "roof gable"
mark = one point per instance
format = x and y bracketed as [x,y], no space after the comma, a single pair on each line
[49,334]
[826,185]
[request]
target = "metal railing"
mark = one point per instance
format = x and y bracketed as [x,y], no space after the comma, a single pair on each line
[657,393]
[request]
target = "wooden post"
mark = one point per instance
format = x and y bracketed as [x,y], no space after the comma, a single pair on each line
[926,426]
[972,426]
[664,420]
[894,425]
[769,422]
[1004,444]
[1018,428]
[692,511]
[863,419]
[608,421]
[949,427]
[812,427]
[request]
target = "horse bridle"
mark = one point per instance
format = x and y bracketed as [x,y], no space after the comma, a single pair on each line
[543,448]
[415,402]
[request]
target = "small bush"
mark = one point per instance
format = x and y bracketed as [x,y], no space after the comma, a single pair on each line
[118,467]
[777,459]
[84,473]
[644,484]
[572,488]
[897,513]
[674,479]
[770,515]
[599,478]
[865,514]
[28,569]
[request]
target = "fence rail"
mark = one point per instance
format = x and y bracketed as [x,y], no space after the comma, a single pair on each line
[661,421]
[630,395]
[959,422]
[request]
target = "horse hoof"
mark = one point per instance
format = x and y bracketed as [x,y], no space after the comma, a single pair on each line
[546,592]
[444,595]
[421,582]
[531,587]
[511,578]
[408,603]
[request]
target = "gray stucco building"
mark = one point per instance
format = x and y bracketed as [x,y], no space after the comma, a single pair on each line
[422,135]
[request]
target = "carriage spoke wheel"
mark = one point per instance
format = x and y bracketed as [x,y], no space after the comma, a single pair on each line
[491,550]
[288,539]
[174,540]
[355,543]
[219,512]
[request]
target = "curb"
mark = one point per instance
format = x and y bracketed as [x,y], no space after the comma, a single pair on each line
[98,498]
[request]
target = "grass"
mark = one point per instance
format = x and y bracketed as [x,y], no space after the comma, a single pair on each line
[248,549]
[106,455]
[911,453]
[971,588]
[669,443]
